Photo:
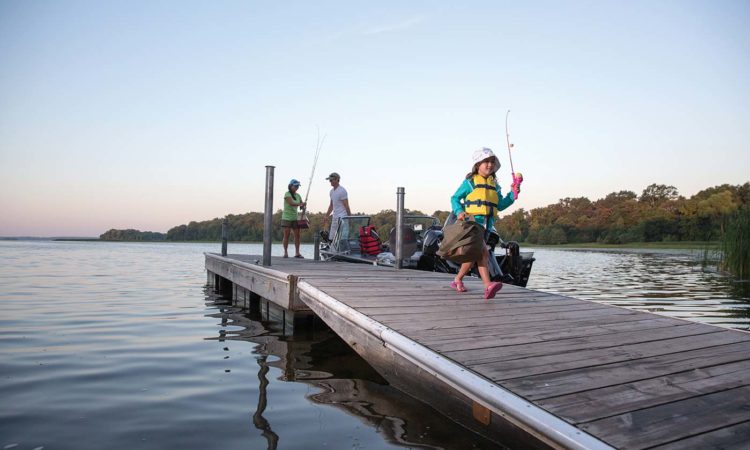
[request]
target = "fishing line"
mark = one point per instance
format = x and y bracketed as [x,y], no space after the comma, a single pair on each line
[507,140]
[315,163]
[517,177]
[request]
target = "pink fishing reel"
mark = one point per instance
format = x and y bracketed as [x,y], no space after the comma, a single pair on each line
[516,186]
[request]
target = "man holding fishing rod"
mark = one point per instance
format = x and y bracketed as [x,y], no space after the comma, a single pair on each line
[339,204]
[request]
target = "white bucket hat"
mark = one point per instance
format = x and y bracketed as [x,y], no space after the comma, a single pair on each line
[485,153]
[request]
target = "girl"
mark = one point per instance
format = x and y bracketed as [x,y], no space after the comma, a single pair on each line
[292,201]
[479,199]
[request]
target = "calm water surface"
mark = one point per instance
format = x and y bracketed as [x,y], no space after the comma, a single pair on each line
[106,345]
[668,282]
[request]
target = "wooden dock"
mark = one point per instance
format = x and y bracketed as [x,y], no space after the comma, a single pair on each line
[557,371]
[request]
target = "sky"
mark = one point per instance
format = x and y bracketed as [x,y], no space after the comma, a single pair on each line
[151,114]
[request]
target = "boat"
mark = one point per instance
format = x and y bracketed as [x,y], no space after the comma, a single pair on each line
[421,236]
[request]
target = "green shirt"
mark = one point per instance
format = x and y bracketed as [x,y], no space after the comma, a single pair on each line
[290,212]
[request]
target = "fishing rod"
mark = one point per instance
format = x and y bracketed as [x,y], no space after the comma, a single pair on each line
[517,177]
[315,163]
[302,220]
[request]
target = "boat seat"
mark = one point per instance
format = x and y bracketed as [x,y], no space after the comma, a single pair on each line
[409,238]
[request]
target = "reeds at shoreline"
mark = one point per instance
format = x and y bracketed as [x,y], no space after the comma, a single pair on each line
[735,245]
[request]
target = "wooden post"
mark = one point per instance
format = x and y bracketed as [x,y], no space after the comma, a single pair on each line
[268,217]
[224,232]
[399,227]
[316,246]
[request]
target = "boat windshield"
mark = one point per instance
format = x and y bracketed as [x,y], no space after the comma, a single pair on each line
[420,224]
[347,235]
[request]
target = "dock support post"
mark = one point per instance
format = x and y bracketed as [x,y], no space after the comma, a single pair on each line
[316,247]
[224,232]
[399,227]
[224,287]
[254,302]
[268,217]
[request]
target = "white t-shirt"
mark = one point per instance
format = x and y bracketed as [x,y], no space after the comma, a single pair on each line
[338,195]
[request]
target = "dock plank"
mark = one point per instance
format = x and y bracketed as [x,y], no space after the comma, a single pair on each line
[654,426]
[450,311]
[621,398]
[525,335]
[733,437]
[540,325]
[572,317]
[540,382]
[499,351]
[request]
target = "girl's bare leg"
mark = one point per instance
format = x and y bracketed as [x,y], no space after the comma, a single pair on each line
[484,271]
[462,271]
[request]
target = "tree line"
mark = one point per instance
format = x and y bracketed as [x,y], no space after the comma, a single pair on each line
[658,214]
[249,227]
[131,235]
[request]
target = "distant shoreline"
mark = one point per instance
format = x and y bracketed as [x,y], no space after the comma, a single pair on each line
[48,238]
[77,239]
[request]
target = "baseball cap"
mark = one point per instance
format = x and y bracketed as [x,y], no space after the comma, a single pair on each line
[294,182]
[334,175]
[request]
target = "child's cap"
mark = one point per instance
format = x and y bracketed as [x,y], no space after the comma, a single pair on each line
[294,182]
[485,153]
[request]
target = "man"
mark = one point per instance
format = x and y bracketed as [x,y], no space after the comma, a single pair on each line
[339,204]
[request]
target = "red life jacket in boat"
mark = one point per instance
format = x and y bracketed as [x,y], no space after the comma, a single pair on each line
[369,241]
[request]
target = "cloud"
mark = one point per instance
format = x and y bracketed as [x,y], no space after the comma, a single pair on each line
[347,34]
[395,27]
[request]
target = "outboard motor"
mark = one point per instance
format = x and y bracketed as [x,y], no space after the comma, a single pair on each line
[431,241]
[512,262]
[428,260]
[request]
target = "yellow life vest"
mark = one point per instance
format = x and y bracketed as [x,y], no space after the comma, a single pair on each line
[482,201]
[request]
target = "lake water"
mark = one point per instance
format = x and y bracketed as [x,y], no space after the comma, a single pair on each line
[107,345]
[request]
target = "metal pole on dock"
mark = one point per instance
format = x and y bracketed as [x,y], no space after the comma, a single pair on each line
[399,227]
[224,233]
[268,217]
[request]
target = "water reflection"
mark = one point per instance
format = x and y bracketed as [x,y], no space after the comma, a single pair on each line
[342,379]
[258,420]
[669,282]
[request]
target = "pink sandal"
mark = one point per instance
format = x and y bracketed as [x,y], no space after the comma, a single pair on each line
[458,286]
[492,289]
